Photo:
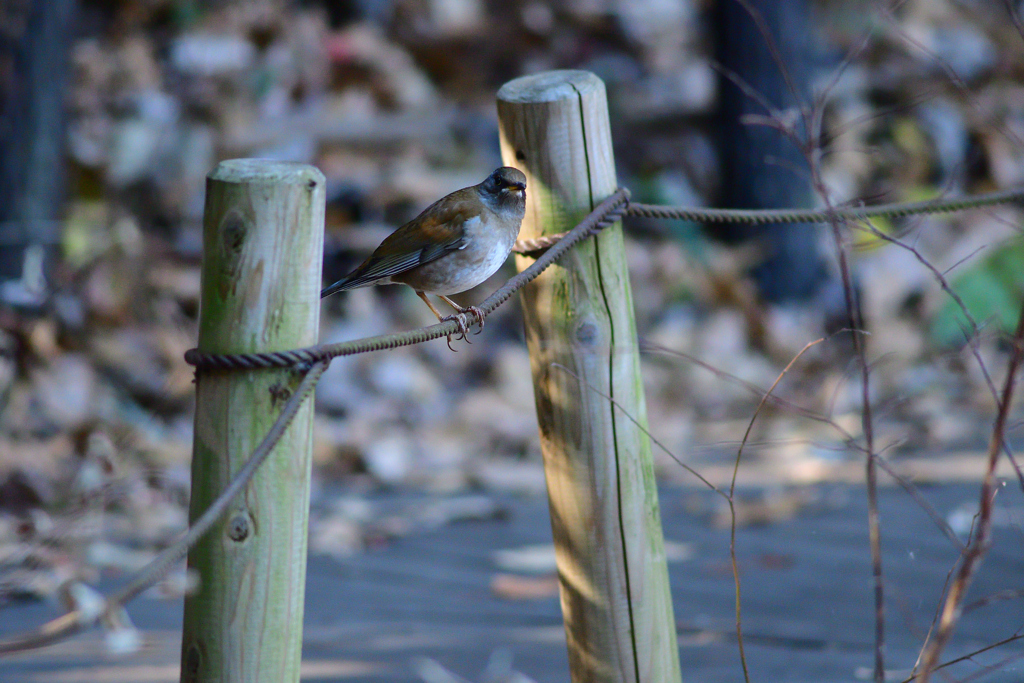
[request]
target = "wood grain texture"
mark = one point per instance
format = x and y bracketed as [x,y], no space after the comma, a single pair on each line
[579,316]
[262,255]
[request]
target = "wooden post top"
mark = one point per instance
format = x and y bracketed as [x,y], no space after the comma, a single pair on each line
[550,86]
[266,170]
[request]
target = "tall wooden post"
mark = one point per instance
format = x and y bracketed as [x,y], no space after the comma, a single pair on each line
[579,316]
[262,255]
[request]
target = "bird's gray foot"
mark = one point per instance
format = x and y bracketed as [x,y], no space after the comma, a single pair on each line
[477,313]
[460,319]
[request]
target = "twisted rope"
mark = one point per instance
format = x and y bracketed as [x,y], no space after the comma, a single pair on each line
[313,361]
[893,210]
[529,246]
[79,618]
[763,216]
[606,213]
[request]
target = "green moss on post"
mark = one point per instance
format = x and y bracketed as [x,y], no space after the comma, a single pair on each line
[262,255]
[579,316]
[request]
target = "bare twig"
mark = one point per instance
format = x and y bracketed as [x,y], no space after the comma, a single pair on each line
[642,428]
[730,497]
[312,362]
[979,546]
[951,74]
[801,411]
[970,336]
[922,502]
[854,321]
[1001,596]
[996,666]
[773,50]
[1015,18]
[810,146]
[786,404]
[971,655]
[732,504]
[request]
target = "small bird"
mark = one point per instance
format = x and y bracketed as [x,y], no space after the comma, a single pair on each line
[455,244]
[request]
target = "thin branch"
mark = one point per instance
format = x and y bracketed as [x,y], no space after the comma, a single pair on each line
[906,484]
[757,411]
[971,336]
[997,666]
[732,505]
[650,347]
[922,502]
[979,546]
[971,655]
[1001,596]
[958,83]
[641,427]
[776,54]
[854,321]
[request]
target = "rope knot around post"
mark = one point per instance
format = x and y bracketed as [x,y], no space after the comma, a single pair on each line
[312,361]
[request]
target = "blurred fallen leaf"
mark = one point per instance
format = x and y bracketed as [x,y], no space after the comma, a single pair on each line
[514,587]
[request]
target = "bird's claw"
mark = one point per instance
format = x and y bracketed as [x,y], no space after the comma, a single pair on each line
[477,313]
[460,320]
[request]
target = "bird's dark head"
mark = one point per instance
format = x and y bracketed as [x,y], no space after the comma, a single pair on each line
[505,188]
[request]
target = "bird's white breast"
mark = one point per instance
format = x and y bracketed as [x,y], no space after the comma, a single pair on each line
[486,248]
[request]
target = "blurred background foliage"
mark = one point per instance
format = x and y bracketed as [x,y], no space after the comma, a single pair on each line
[114,111]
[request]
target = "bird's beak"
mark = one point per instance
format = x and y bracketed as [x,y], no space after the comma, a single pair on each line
[516,189]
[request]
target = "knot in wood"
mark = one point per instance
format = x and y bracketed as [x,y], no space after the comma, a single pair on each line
[232,233]
[239,527]
[587,333]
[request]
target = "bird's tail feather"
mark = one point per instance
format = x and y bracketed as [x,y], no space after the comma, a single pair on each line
[352,281]
[336,287]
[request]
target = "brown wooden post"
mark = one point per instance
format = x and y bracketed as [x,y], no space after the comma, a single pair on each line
[262,255]
[579,316]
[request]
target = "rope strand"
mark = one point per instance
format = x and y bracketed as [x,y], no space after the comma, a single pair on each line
[312,361]
[893,210]
[553,246]
[606,213]
[763,216]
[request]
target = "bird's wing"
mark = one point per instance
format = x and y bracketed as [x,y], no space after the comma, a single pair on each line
[440,229]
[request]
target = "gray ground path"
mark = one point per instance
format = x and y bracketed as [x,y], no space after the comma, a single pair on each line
[806,595]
